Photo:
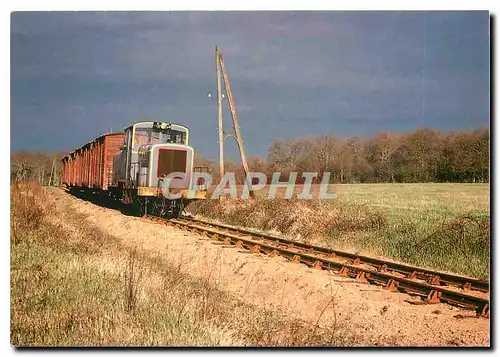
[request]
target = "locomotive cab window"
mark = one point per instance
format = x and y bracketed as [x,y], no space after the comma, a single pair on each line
[159,133]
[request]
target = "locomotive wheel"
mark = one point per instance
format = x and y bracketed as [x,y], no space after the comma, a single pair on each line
[178,207]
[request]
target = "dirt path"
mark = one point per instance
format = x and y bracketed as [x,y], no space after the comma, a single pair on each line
[376,316]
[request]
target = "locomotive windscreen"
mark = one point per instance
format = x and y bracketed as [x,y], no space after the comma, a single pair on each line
[171,161]
[149,135]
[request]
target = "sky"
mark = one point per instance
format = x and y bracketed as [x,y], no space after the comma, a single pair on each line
[77,75]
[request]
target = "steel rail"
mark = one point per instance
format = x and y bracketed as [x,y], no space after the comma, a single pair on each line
[324,258]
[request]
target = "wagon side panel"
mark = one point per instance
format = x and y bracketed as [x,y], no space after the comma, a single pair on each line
[112,145]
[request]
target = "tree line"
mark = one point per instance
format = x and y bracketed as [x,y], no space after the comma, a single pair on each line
[423,155]
[40,166]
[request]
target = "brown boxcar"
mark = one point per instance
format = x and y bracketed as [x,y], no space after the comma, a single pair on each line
[91,166]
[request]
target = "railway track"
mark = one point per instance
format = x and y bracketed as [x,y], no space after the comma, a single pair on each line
[424,285]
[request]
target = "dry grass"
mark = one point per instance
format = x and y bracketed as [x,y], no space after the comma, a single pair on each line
[73,285]
[307,219]
[440,226]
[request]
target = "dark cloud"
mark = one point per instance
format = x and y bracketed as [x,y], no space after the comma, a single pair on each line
[75,75]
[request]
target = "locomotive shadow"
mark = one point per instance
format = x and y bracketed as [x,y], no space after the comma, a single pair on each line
[104,201]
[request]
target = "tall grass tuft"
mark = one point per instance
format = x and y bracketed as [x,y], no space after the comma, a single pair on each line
[28,208]
[460,245]
[132,278]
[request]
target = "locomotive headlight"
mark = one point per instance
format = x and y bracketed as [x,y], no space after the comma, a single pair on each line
[163,126]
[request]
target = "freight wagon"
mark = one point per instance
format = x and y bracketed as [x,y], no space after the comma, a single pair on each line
[91,166]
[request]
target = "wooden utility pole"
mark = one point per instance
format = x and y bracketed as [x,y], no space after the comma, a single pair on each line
[219,115]
[236,124]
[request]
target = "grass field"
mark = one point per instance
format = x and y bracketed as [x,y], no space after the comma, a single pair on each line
[441,226]
[441,200]
[438,225]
